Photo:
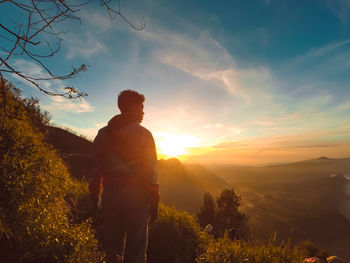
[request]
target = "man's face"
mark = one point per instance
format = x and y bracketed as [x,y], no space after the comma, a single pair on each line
[137,112]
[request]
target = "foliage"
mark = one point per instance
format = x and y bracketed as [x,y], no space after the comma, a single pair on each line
[175,237]
[309,249]
[225,250]
[34,188]
[207,212]
[224,215]
[38,118]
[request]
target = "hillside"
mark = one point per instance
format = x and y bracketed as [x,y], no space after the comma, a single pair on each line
[67,142]
[73,149]
[285,173]
[40,204]
[184,185]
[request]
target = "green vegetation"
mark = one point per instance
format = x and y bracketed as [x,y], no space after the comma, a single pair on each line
[45,216]
[224,215]
[176,237]
[224,250]
[36,219]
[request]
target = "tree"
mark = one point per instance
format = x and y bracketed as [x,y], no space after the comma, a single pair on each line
[224,215]
[228,217]
[207,211]
[34,37]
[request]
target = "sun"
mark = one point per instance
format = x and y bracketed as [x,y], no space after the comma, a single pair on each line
[174,145]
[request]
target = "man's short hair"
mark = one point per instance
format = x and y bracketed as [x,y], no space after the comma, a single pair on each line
[128,99]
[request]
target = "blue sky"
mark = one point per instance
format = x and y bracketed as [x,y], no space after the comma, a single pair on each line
[241,82]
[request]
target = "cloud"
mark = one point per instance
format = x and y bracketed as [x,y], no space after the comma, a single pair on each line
[262,102]
[274,149]
[316,83]
[97,19]
[60,104]
[85,45]
[53,104]
[228,79]
[325,67]
[212,126]
[343,107]
[202,57]
[339,8]
[320,52]
[34,70]
[231,145]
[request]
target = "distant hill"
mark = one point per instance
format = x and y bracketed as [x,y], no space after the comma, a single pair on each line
[73,149]
[184,185]
[67,142]
[209,181]
[285,173]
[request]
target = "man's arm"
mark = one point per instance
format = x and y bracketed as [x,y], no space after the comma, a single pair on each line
[150,173]
[95,182]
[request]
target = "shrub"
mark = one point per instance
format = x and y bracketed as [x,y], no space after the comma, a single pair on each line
[175,237]
[224,250]
[224,215]
[34,186]
[309,249]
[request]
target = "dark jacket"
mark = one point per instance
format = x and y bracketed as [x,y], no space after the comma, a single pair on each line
[125,154]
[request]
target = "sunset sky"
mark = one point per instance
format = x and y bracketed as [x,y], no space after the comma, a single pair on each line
[226,82]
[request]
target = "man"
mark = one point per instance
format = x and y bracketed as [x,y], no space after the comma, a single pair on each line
[126,169]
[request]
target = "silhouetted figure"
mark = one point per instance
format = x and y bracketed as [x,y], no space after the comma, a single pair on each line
[126,169]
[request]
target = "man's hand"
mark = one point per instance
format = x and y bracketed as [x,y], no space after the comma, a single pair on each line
[96,203]
[154,213]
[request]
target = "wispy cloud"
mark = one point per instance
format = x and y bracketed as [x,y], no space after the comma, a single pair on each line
[32,69]
[60,105]
[199,55]
[340,8]
[85,45]
[227,79]
[324,52]
[274,149]
[99,20]
[53,104]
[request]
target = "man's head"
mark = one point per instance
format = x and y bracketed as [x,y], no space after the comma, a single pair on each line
[130,103]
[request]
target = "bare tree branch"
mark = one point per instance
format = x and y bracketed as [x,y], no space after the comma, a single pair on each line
[37,32]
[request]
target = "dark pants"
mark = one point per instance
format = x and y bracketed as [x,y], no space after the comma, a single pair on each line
[125,213]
